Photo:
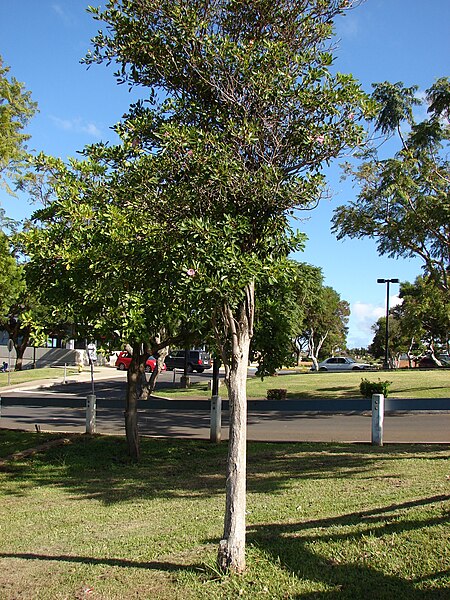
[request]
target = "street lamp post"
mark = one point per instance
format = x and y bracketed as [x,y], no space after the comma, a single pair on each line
[386,340]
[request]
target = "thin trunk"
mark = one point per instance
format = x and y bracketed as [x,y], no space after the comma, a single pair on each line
[134,375]
[20,348]
[231,554]
[151,384]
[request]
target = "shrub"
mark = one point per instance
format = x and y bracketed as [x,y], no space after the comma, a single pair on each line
[368,388]
[276,394]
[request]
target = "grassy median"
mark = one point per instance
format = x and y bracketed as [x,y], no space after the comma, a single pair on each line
[30,375]
[405,384]
[325,521]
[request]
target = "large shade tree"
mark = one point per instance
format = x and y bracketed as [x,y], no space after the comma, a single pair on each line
[241,112]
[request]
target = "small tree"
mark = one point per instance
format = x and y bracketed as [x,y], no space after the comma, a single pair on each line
[89,252]
[325,324]
[250,111]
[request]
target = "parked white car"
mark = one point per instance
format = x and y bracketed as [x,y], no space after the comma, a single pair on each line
[342,363]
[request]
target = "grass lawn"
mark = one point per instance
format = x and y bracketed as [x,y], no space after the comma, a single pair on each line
[324,521]
[405,384]
[34,374]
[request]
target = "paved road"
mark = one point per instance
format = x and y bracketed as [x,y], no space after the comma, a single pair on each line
[62,408]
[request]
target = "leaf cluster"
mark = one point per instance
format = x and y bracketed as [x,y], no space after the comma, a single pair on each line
[16,108]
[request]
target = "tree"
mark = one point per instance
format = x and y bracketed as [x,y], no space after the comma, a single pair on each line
[280,312]
[242,112]
[247,113]
[403,201]
[325,324]
[399,343]
[90,250]
[22,316]
[16,108]
[425,315]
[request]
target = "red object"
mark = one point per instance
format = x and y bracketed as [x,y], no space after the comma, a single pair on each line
[124,359]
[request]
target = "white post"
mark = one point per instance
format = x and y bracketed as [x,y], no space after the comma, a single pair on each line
[65,374]
[90,413]
[377,419]
[215,434]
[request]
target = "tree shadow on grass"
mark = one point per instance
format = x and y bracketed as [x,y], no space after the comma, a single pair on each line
[97,467]
[110,562]
[299,548]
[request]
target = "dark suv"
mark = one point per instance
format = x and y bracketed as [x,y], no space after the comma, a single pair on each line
[198,360]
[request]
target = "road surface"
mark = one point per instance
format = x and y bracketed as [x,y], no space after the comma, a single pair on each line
[62,408]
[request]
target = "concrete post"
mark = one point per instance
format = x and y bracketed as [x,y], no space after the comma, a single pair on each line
[91,413]
[216,420]
[377,419]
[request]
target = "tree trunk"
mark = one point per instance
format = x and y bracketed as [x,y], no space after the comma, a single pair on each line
[134,374]
[151,384]
[231,555]
[20,348]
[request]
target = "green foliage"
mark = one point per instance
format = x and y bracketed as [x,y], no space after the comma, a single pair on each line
[241,113]
[16,108]
[425,311]
[403,201]
[12,282]
[276,394]
[368,388]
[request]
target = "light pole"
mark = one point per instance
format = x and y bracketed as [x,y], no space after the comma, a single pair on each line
[386,340]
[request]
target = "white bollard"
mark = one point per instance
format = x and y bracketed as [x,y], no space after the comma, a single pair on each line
[377,419]
[90,413]
[215,434]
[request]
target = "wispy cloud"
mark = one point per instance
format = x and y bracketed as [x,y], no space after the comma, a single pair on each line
[348,26]
[62,13]
[76,125]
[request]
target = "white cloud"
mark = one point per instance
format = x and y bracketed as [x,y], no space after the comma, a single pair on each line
[77,125]
[363,316]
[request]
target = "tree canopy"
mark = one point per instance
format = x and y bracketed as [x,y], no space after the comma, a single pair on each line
[403,201]
[16,108]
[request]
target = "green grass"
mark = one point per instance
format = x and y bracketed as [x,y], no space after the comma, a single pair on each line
[34,374]
[405,384]
[323,521]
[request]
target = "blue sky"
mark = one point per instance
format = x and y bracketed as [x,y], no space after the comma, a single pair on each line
[395,40]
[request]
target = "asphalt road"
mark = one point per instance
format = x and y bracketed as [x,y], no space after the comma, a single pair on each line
[62,408]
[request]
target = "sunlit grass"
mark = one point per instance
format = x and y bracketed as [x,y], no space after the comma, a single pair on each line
[405,384]
[323,521]
[15,377]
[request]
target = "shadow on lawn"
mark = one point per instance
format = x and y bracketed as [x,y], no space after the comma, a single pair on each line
[97,467]
[110,562]
[293,546]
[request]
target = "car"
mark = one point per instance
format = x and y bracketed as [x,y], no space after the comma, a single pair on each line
[124,359]
[342,363]
[198,360]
